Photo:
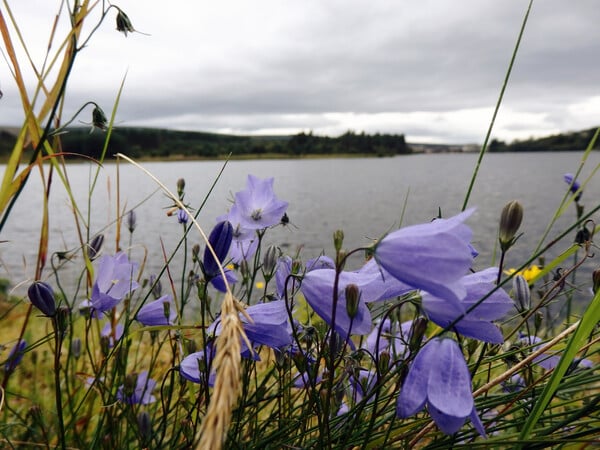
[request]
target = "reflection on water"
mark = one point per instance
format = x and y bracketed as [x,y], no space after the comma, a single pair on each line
[364,197]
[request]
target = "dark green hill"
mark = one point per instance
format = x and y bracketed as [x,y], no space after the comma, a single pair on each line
[577,140]
[170,144]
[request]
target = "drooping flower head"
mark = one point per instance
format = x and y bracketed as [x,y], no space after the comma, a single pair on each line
[158,312]
[269,326]
[318,289]
[137,389]
[220,239]
[258,206]
[477,323]
[41,296]
[432,257]
[114,281]
[439,378]
[195,366]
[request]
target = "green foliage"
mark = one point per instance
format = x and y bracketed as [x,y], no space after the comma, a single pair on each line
[165,144]
[575,141]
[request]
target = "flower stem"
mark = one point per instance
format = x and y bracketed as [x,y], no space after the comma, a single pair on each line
[57,390]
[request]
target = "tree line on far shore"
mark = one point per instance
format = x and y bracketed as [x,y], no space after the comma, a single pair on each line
[166,144]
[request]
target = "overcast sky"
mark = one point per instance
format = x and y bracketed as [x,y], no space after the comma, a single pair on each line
[430,69]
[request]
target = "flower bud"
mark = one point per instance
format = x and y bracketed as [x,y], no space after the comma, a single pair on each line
[76,348]
[220,240]
[144,426]
[180,187]
[510,221]
[538,319]
[270,260]
[130,384]
[352,299]
[182,216]
[338,240]
[196,253]
[124,24]
[62,318]
[131,221]
[156,286]
[105,345]
[99,119]
[94,247]
[418,331]
[384,362]
[42,297]
[522,293]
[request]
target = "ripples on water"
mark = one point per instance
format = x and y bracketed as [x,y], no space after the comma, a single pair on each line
[364,197]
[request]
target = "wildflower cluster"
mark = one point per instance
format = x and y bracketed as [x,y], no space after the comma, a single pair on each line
[404,331]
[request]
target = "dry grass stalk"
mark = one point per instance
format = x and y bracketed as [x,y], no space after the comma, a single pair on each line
[228,367]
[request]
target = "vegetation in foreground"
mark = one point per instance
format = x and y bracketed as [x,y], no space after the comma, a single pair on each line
[251,347]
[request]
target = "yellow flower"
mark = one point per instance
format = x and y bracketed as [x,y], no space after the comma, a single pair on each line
[260,285]
[529,273]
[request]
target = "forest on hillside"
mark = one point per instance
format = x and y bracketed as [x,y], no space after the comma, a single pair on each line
[165,144]
[171,144]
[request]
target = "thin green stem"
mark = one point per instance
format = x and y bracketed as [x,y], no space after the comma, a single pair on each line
[497,108]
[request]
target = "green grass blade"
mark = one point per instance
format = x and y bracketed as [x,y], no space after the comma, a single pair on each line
[586,325]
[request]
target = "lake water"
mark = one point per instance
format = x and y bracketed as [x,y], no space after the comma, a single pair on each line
[364,197]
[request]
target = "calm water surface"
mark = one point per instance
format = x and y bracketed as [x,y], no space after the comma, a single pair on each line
[364,197]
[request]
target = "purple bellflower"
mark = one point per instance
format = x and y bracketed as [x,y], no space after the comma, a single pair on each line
[137,390]
[257,205]
[114,281]
[432,257]
[15,356]
[378,284]
[317,288]
[194,367]
[270,326]
[477,323]
[439,378]
[574,185]
[158,312]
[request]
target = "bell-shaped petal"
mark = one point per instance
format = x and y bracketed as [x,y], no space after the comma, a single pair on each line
[194,367]
[439,378]
[114,281]
[449,384]
[432,257]
[317,288]
[379,284]
[257,205]
[270,324]
[413,395]
[218,282]
[483,302]
[158,312]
